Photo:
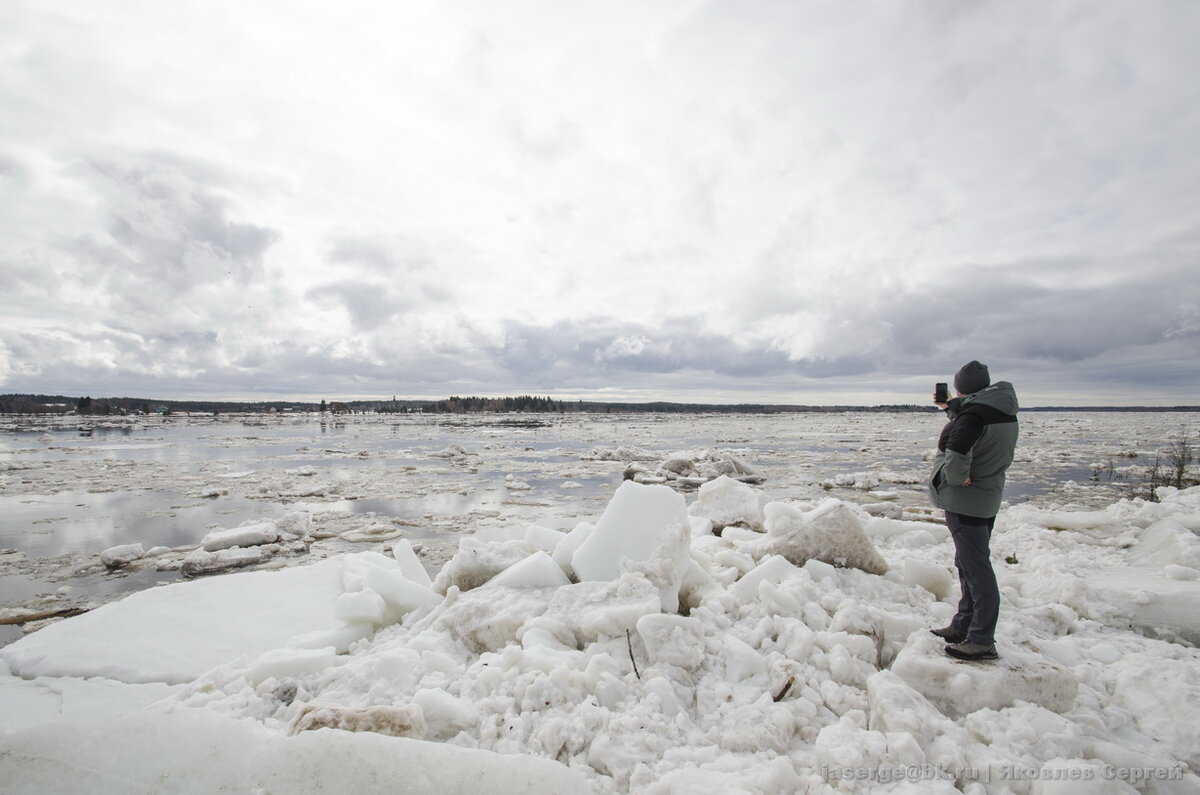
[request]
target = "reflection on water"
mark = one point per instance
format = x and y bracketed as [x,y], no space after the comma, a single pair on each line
[47,526]
[425,505]
[22,586]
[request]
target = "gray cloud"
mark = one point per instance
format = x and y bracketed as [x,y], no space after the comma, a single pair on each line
[370,304]
[167,225]
[1004,310]
[381,256]
[13,172]
[600,350]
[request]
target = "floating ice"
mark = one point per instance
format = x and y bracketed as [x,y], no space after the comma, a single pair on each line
[247,535]
[370,534]
[618,454]
[118,556]
[514,484]
[199,562]
[690,469]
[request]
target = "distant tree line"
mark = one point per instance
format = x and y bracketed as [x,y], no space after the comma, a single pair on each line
[62,404]
[521,403]
[89,406]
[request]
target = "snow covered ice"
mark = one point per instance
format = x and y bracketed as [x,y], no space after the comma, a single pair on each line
[726,641]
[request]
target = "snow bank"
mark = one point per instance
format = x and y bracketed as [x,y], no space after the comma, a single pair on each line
[44,699]
[1134,564]
[646,657]
[203,751]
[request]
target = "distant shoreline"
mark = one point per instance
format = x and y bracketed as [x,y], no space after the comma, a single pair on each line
[19,404]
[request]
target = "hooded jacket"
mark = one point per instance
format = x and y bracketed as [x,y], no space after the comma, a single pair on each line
[977,444]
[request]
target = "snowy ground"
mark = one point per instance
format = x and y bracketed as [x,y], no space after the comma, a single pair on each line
[446,591]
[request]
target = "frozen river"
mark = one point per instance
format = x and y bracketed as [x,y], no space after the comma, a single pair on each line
[762,636]
[73,487]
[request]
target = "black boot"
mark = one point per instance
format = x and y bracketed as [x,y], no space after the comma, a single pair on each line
[972,651]
[950,634]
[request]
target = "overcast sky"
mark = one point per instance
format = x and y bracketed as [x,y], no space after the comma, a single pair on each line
[794,201]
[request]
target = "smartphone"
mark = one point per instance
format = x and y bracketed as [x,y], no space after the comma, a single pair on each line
[941,392]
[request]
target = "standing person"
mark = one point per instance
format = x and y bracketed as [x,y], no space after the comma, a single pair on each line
[974,452]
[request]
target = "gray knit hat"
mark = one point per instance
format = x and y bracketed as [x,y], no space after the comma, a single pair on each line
[972,377]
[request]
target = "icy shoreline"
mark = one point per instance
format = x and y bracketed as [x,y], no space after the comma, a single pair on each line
[789,653]
[744,661]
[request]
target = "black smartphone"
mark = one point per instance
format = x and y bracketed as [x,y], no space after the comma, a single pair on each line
[941,392]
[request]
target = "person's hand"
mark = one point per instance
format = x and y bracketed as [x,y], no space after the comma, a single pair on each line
[967,482]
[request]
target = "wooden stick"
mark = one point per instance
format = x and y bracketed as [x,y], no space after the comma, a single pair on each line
[65,612]
[791,680]
[629,641]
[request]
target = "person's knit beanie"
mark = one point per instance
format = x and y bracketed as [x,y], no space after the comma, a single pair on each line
[972,377]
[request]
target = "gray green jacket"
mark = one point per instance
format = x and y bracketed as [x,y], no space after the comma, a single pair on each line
[977,443]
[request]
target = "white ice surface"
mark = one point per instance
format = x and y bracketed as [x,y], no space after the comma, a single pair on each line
[176,632]
[29,702]
[631,527]
[536,571]
[121,554]
[410,565]
[725,501]
[197,750]
[246,535]
[780,677]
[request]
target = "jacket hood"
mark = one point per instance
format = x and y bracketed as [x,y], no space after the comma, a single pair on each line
[1000,396]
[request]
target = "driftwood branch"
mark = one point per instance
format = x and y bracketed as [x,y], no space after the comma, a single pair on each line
[24,619]
[788,686]
[629,642]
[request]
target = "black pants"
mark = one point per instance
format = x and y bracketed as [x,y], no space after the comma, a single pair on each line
[979,607]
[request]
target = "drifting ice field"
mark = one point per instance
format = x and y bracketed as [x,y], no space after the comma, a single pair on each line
[585,604]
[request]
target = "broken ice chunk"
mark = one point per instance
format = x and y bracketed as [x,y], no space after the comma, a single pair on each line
[247,535]
[118,556]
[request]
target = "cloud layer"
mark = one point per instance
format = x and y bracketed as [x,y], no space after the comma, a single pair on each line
[706,201]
